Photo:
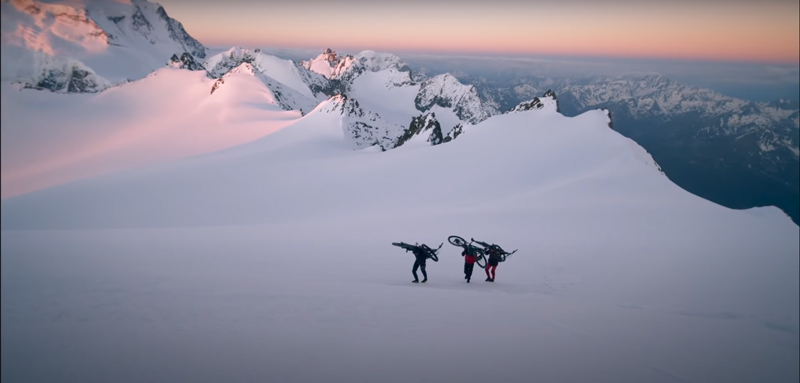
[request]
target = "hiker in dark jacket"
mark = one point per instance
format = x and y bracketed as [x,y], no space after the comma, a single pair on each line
[495,257]
[420,255]
[469,261]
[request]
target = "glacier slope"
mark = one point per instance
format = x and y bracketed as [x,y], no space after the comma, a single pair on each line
[272,260]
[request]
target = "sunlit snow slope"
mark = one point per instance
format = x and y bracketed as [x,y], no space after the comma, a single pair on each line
[51,138]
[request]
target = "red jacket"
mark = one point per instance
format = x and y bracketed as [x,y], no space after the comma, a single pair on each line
[468,258]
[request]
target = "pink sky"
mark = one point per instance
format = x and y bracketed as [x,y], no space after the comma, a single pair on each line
[708,30]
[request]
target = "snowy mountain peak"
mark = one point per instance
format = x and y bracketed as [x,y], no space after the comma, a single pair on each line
[50,28]
[377,61]
[342,66]
[341,104]
[310,84]
[91,25]
[221,63]
[322,64]
[547,102]
[346,68]
[446,91]
[118,40]
[329,55]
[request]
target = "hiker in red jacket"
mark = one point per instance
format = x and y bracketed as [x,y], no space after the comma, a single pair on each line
[495,257]
[469,261]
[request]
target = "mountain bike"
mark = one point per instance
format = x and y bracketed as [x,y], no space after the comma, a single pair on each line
[429,253]
[487,247]
[480,257]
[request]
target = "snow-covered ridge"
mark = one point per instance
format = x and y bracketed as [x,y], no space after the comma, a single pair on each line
[380,79]
[548,102]
[310,84]
[345,69]
[277,93]
[378,61]
[387,84]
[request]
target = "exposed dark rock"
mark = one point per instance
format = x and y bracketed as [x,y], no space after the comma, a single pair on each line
[528,105]
[177,33]
[552,94]
[187,61]
[217,84]
[72,80]
[457,130]
[421,124]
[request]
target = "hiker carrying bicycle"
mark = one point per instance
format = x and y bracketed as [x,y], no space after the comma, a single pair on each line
[495,257]
[420,256]
[469,261]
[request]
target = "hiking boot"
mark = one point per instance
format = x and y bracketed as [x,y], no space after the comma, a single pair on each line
[415,281]
[488,279]
[424,280]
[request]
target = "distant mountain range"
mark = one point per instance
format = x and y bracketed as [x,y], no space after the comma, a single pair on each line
[734,152]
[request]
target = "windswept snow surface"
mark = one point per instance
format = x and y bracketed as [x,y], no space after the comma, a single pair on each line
[271,261]
[49,139]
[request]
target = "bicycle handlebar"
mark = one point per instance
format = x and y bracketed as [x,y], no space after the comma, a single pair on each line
[492,246]
[422,247]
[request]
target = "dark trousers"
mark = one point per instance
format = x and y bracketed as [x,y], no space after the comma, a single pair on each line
[421,266]
[468,270]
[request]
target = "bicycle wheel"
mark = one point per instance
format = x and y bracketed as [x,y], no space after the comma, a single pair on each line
[507,255]
[435,257]
[480,259]
[456,241]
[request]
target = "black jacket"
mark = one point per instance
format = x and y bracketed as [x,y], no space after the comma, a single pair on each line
[420,255]
[494,257]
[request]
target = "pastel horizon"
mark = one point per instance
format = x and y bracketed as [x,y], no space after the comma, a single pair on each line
[708,30]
